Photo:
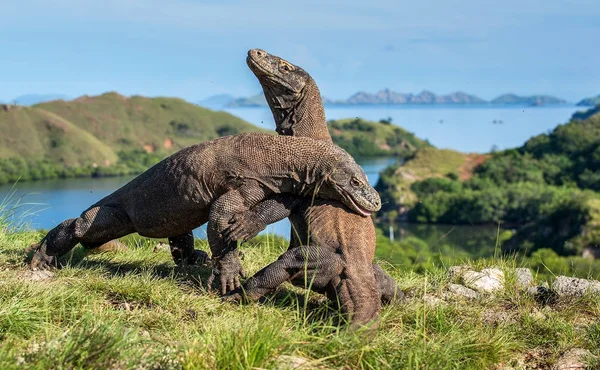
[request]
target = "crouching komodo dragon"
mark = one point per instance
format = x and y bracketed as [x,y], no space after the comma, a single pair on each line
[211,182]
[339,244]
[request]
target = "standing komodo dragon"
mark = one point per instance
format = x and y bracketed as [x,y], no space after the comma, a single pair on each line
[211,182]
[340,245]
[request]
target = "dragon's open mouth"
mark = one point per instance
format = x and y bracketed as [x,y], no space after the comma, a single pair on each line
[355,206]
[359,209]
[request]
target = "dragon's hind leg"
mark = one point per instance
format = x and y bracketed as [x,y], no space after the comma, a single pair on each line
[94,227]
[388,288]
[305,266]
[183,252]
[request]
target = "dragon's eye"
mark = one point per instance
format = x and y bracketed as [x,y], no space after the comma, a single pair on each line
[286,67]
[355,182]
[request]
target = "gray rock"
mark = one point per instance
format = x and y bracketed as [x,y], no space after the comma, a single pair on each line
[566,286]
[160,246]
[457,290]
[524,278]
[431,300]
[487,281]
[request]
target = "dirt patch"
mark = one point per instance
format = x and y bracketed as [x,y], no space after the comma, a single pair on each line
[168,144]
[465,171]
[38,275]
[573,359]
[149,148]
[384,146]
[408,175]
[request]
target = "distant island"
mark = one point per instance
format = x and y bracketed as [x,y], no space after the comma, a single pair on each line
[390,97]
[533,100]
[589,102]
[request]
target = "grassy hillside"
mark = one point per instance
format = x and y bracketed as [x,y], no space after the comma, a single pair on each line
[103,135]
[135,309]
[167,124]
[395,182]
[112,134]
[37,133]
[547,190]
[368,138]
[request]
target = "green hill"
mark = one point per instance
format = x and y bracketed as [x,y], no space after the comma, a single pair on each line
[368,139]
[103,135]
[548,190]
[37,133]
[111,134]
[151,123]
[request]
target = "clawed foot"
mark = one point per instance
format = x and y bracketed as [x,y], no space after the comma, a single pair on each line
[235,296]
[40,260]
[239,295]
[242,228]
[229,268]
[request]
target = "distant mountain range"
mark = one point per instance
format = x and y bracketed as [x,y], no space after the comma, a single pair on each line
[590,102]
[257,100]
[385,96]
[217,101]
[390,97]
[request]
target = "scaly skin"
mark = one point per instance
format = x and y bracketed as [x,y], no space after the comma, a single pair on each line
[211,182]
[331,248]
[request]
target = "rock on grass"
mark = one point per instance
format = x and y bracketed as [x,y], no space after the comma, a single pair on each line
[486,281]
[573,287]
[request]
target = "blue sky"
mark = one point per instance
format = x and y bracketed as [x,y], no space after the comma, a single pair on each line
[194,48]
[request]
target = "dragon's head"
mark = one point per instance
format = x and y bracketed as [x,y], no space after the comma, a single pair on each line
[292,94]
[348,184]
[278,77]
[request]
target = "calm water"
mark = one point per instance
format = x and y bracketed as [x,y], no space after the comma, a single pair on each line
[463,128]
[47,203]
[468,129]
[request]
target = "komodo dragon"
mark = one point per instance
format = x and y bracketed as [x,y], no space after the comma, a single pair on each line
[212,182]
[341,244]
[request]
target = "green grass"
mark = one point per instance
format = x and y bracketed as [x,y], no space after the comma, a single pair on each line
[136,309]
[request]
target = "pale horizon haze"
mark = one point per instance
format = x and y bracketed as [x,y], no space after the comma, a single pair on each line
[194,49]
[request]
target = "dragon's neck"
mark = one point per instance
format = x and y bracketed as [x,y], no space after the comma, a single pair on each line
[304,116]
